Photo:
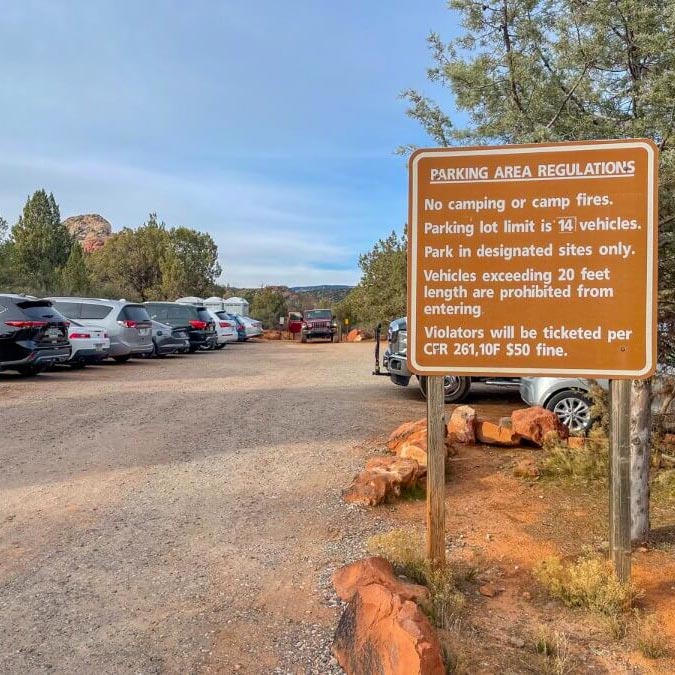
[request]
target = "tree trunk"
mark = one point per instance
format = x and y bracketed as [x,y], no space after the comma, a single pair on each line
[640,447]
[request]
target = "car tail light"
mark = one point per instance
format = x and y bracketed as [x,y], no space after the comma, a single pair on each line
[80,336]
[26,324]
[225,324]
[198,325]
[128,324]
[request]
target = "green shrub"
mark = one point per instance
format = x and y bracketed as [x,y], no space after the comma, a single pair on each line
[589,583]
[591,462]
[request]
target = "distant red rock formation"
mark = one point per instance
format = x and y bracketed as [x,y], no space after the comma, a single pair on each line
[90,229]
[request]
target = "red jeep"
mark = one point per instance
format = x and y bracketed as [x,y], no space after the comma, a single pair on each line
[318,323]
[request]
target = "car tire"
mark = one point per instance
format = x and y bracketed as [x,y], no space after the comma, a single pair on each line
[573,409]
[220,346]
[455,389]
[121,359]
[29,371]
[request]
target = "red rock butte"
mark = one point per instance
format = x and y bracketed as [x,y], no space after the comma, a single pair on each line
[90,229]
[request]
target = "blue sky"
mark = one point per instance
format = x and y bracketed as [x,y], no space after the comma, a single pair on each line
[270,125]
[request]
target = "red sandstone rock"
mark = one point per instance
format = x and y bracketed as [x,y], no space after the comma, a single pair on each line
[402,432]
[407,470]
[494,434]
[375,570]
[381,632]
[382,480]
[534,423]
[461,427]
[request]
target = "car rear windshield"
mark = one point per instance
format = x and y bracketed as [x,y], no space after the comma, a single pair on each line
[40,309]
[69,309]
[89,310]
[204,314]
[134,313]
[176,315]
[318,314]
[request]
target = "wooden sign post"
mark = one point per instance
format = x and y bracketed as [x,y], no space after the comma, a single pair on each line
[619,478]
[534,260]
[435,471]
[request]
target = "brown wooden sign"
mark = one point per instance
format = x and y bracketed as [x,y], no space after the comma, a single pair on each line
[534,260]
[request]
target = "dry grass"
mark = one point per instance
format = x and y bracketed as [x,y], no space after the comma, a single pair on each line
[587,464]
[615,626]
[650,637]
[589,583]
[404,548]
[456,651]
[553,645]
[600,408]
[663,484]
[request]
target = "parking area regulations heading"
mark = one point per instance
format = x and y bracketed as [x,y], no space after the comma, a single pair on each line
[534,260]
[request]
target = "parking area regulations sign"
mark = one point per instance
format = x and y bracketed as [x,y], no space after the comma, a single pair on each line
[534,260]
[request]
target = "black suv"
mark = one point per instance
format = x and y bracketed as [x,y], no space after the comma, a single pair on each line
[33,335]
[187,318]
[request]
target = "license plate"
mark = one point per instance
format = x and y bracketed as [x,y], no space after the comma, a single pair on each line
[99,347]
[52,333]
[144,332]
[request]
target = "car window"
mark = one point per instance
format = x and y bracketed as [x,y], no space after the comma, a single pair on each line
[69,309]
[319,314]
[39,309]
[134,313]
[172,314]
[89,310]
[204,314]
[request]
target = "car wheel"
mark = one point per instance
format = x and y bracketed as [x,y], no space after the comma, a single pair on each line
[29,371]
[455,389]
[220,346]
[121,359]
[573,409]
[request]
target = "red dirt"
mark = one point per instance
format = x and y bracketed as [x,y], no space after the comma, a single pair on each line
[503,526]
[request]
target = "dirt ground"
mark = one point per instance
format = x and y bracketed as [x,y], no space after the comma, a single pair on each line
[184,516]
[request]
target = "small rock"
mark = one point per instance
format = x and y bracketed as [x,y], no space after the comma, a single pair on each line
[517,642]
[488,591]
[526,468]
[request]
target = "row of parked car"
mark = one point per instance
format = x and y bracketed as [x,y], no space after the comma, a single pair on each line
[36,333]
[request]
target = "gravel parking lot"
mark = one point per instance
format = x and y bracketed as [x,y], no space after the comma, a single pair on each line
[183,515]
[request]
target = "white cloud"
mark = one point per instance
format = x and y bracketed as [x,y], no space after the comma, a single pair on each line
[267,232]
